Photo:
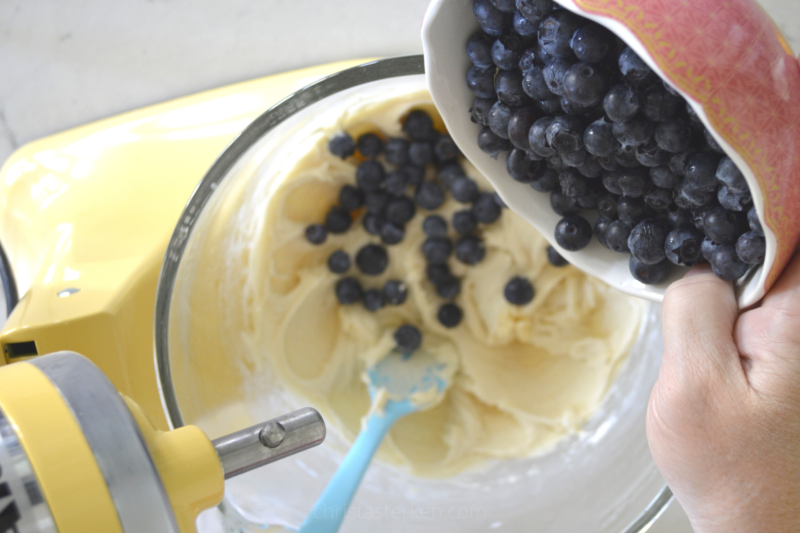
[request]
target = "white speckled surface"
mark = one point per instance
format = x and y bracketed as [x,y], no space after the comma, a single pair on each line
[67,62]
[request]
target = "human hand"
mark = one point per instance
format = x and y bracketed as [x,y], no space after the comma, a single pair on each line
[723,422]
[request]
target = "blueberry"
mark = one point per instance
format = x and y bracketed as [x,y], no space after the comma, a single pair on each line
[395,292]
[449,174]
[572,183]
[677,163]
[600,227]
[680,218]
[550,106]
[751,248]
[611,181]
[437,249]
[445,150]
[338,220]
[634,182]
[573,233]
[479,50]
[591,168]
[659,105]
[491,143]
[555,162]
[673,136]
[650,155]
[556,30]
[662,176]
[508,86]
[729,175]
[520,168]
[534,10]
[479,112]
[555,259]
[507,51]
[438,273]
[649,274]
[712,143]
[419,125]
[339,262]
[546,180]
[420,153]
[698,215]
[708,247]
[598,138]
[622,102]
[499,116]
[429,196]
[349,291]
[449,289]
[351,198]
[701,169]
[554,73]
[370,175]
[571,107]
[632,67]
[464,190]
[617,234]
[722,226]
[450,315]
[372,223]
[518,291]
[625,156]
[688,197]
[400,210]
[316,233]
[562,204]
[396,183]
[632,210]
[506,6]
[434,226]
[470,250]
[342,145]
[407,337]
[726,264]
[524,27]
[537,137]
[731,200]
[519,124]
[372,259]
[584,84]
[376,202]
[646,241]
[369,145]
[464,222]
[753,222]
[575,159]
[565,133]
[592,43]
[683,246]
[658,198]
[373,299]
[485,209]
[607,206]
[391,233]
[633,132]
[535,85]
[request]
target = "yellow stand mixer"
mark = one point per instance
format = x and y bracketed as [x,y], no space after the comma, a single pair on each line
[85,218]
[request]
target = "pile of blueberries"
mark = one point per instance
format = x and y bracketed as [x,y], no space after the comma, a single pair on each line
[584,119]
[394,178]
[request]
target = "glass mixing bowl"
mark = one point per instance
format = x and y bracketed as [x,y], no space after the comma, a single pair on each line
[598,480]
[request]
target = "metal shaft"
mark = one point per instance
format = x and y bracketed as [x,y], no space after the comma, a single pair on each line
[270,441]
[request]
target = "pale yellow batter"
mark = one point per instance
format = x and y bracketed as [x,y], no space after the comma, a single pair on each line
[525,376]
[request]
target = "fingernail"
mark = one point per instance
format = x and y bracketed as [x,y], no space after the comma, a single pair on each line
[703,268]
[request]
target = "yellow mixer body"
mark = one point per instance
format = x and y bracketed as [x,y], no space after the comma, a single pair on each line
[86,215]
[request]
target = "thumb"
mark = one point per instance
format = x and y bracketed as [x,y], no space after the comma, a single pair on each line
[699,314]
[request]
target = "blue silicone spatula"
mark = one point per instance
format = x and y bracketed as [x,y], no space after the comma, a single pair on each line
[399,384]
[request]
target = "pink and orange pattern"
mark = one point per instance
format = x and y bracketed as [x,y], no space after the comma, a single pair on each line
[729,56]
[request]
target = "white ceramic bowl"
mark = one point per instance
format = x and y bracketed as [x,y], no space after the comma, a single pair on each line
[448,25]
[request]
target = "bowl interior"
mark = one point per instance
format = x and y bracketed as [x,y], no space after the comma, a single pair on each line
[598,479]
